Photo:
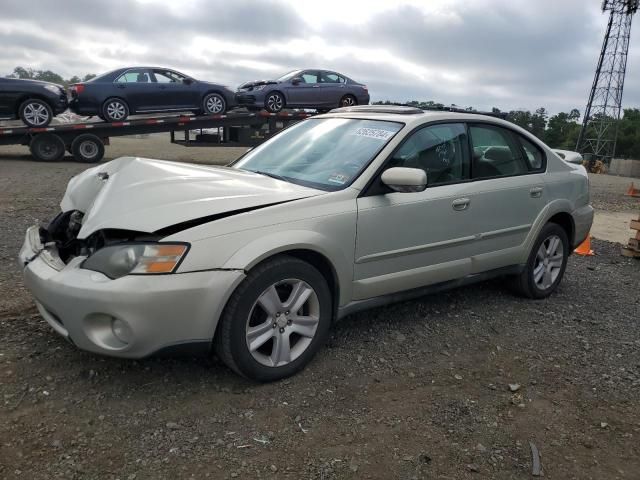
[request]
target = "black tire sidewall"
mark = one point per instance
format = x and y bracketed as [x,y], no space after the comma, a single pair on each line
[248,293]
[547,231]
[37,142]
[266,102]
[75,148]
[106,116]
[204,104]
[24,104]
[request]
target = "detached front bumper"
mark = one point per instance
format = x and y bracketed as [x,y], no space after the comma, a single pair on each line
[134,316]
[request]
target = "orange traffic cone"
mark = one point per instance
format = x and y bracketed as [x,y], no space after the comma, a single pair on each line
[584,248]
[632,191]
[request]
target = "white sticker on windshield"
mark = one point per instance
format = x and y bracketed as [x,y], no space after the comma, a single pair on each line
[374,133]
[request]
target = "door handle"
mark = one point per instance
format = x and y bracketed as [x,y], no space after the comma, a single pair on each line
[460,204]
[315,86]
[121,86]
[535,192]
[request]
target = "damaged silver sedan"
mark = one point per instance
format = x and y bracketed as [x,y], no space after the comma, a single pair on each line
[338,213]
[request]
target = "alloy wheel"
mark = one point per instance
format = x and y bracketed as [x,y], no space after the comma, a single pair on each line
[36,114]
[348,101]
[282,322]
[274,103]
[116,110]
[548,262]
[214,104]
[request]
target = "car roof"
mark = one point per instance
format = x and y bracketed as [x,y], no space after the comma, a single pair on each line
[407,115]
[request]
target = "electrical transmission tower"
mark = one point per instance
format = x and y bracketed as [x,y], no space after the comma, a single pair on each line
[597,140]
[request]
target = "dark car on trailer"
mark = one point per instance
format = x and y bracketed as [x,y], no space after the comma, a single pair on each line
[32,101]
[137,90]
[313,89]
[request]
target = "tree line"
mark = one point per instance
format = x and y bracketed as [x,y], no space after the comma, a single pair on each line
[48,76]
[560,130]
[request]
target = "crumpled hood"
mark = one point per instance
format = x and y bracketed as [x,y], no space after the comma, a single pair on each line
[146,195]
[255,83]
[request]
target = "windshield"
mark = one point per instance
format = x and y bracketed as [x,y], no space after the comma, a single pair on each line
[288,76]
[324,153]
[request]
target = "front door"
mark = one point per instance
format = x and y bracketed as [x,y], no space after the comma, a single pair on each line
[171,91]
[304,93]
[408,240]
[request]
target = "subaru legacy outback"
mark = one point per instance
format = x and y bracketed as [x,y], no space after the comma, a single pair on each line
[339,212]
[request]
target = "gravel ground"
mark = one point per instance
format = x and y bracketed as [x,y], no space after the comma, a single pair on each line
[419,389]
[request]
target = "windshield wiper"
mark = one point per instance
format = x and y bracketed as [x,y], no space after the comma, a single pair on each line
[272,175]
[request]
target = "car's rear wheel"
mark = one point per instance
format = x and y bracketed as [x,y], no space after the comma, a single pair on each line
[276,320]
[274,102]
[214,104]
[35,113]
[348,101]
[546,263]
[47,147]
[115,110]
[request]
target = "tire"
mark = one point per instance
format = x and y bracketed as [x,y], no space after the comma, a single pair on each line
[267,284]
[540,278]
[115,110]
[35,113]
[87,148]
[274,102]
[47,147]
[214,104]
[348,101]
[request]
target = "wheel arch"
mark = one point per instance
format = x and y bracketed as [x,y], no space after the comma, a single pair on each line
[282,94]
[30,96]
[118,97]
[565,220]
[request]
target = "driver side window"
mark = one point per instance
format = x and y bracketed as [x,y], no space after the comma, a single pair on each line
[440,150]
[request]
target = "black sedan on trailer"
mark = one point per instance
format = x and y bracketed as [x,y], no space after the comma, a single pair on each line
[135,90]
[33,101]
[317,89]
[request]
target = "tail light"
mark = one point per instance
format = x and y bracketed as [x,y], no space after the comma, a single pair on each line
[77,88]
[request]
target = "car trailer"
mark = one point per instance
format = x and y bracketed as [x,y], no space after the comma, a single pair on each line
[86,141]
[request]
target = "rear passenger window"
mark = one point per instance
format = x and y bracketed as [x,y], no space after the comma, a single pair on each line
[496,153]
[533,153]
[440,150]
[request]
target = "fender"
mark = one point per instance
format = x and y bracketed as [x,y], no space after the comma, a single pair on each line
[264,247]
[552,208]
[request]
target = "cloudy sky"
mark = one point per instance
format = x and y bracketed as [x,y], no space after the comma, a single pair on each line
[482,53]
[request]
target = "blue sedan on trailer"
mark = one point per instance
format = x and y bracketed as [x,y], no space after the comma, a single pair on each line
[134,90]
[316,89]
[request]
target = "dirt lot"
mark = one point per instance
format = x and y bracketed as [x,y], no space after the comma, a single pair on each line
[414,390]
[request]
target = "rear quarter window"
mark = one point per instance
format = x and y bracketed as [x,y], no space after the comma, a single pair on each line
[533,155]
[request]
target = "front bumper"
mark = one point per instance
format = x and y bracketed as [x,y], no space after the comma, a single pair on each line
[159,312]
[254,98]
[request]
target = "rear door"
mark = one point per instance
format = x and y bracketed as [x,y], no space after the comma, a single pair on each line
[305,93]
[332,88]
[9,94]
[507,193]
[137,87]
[171,91]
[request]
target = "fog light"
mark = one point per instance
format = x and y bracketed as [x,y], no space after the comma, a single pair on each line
[121,330]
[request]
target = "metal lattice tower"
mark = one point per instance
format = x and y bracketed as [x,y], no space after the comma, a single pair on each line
[597,140]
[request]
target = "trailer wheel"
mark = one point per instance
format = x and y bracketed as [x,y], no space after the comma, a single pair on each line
[87,148]
[47,147]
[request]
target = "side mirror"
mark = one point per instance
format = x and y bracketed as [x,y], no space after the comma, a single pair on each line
[188,81]
[296,80]
[405,180]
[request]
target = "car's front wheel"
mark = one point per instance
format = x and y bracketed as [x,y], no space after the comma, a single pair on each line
[546,263]
[276,320]
[214,104]
[115,110]
[274,102]
[35,113]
